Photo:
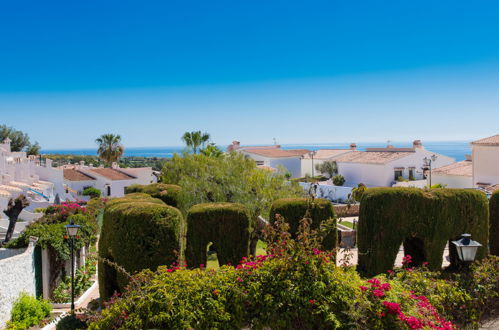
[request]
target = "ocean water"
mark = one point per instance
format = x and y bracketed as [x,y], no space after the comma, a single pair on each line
[454,149]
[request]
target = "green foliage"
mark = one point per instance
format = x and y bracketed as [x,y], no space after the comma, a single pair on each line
[358,191]
[138,232]
[392,216]
[212,150]
[71,322]
[195,139]
[130,161]
[227,225]
[19,139]
[33,149]
[92,192]
[168,193]
[28,311]
[320,211]
[110,148]
[329,167]
[338,180]
[494,223]
[232,179]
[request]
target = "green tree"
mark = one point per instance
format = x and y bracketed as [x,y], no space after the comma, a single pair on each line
[110,148]
[211,150]
[33,149]
[195,140]
[339,180]
[358,191]
[19,140]
[328,167]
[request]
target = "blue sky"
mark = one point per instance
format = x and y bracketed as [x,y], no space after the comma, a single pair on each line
[299,71]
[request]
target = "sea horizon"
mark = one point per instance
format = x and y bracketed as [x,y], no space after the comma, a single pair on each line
[455,149]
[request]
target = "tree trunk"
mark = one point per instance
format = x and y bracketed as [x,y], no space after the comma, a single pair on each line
[13,210]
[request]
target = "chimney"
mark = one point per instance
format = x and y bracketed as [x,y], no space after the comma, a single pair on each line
[234,146]
[468,157]
[82,163]
[114,165]
[417,144]
[353,146]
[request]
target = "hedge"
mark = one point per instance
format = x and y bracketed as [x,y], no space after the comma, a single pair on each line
[423,221]
[494,223]
[138,232]
[227,225]
[168,193]
[293,210]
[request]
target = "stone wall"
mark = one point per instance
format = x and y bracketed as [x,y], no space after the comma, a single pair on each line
[17,274]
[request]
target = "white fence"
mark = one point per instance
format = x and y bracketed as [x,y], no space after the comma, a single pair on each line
[333,193]
[416,184]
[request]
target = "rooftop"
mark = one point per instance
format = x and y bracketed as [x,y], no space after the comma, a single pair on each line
[372,157]
[71,174]
[463,168]
[327,153]
[273,152]
[111,173]
[489,141]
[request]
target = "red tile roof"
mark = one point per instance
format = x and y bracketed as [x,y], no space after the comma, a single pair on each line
[489,141]
[463,168]
[112,174]
[71,174]
[276,152]
[371,157]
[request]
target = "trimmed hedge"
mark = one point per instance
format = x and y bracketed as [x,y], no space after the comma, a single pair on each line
[138,232]
[227,225]
[423,221]
[293,210]
[168,193]
[494,223]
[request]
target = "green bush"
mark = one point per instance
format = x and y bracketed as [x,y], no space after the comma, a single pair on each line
[168,193]
[28,311]
[494,223]
[424,221]
[294,209]
[227,225]
[71,322]
[138,232]
[92,192]
[339,180]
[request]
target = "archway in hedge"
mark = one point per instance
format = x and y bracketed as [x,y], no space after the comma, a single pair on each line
[225,225]
[414,246]
[391,216]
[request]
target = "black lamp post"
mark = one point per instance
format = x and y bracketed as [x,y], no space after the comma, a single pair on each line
[427,162]
[72,231]
[466,248]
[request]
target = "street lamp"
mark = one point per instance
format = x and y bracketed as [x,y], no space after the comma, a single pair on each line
[312,154]
[72,231]
[466,248]
[427,162]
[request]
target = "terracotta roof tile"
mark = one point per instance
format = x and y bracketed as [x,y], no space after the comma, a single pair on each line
[371,157]
[112,174]
[71,174]
[463,168]
[276,152]
[327,153]
[489,141]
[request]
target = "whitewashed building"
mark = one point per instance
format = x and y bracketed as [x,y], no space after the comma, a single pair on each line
[382,167]
[455,175]
[310,161]
[485,155]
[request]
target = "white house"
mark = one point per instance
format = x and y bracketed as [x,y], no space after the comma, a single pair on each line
[382,167]
[485,155]
[273,157]
[311,160]
[455,175]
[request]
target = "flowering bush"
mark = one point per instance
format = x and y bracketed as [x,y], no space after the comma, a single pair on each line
[295,286]
[60,212]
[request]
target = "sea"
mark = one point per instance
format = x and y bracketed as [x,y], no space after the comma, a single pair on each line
[455,149]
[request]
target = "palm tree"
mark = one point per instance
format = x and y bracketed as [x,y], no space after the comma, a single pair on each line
[110,148]
[195,139]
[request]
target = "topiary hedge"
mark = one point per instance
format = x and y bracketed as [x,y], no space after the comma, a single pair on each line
[227,225]
[494,223]
[168,193]
[138,232]
[423,221]
[293,210]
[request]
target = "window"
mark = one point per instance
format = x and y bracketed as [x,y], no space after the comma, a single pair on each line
[109,190]
[398,173]
[411,174]
[260,163]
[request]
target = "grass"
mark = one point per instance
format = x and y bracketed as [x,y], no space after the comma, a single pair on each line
[346,224]
[212,262]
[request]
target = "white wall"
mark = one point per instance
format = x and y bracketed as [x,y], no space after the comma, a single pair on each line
[17,273]
[485,164]
[452,181]
[293,165]
[330,192]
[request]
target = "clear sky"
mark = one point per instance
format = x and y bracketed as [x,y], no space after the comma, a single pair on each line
[299,71]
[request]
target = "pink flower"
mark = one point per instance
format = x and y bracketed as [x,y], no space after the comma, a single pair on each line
[374,282]
[312,301]
[393,308]
[363,288]
[407,260]
[378,293]
[385,287]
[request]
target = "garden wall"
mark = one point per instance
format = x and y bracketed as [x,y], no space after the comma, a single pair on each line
[17,274]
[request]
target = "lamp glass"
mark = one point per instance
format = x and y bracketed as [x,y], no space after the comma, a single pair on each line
[72,230]
[466,248]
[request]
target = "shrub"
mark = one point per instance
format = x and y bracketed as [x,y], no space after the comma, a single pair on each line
[70,322]
[138,232]
[28,311]
[92,192]
[168,193]
[294,209]
[227,225]
[338,180]
[494,223]
[423,221]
